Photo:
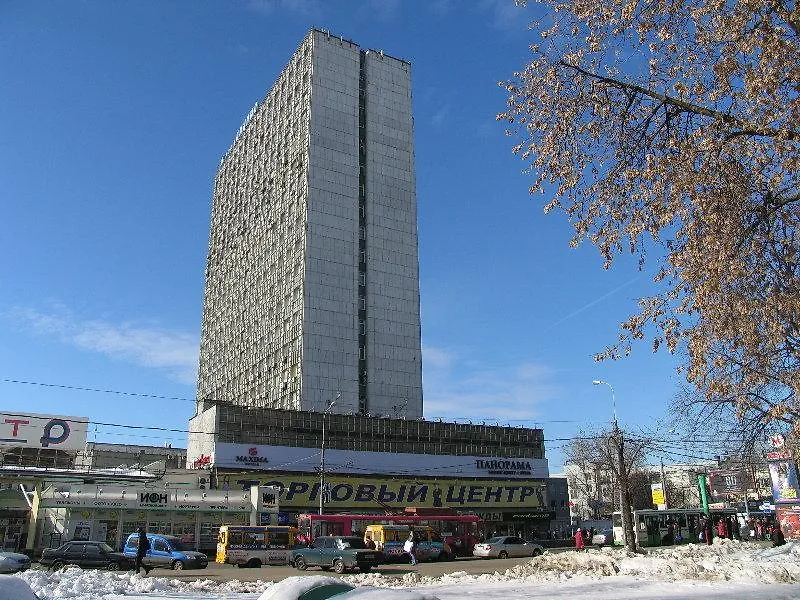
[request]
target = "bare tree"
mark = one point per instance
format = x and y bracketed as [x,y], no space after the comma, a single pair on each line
[670,128]
[610,452]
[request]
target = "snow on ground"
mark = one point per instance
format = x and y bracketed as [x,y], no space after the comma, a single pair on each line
[728,570]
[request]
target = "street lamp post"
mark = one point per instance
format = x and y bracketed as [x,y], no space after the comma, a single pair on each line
[613,397]
[622,474]
[322,453]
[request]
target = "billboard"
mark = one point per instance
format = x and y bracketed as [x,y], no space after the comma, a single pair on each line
[302,491]
[307,460]
[133,498]
[784,481]
[30,430]
[788,516]
[726,483]
[657,491]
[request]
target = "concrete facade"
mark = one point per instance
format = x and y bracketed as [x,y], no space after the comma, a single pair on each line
[312,282]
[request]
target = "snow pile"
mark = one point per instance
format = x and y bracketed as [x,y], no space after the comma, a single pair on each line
[74,582]
[725,561]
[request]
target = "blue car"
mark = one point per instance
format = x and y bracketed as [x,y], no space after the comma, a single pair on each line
[166,551]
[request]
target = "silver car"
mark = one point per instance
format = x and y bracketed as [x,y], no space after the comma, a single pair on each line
[506,546]
[14,562]
[603,538]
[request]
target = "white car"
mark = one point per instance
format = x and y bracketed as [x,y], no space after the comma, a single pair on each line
[603,538]
[14,562]
[506,546]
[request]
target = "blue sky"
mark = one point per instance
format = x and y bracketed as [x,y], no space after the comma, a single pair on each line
[113,118]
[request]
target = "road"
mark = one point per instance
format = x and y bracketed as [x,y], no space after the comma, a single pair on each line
[216,572]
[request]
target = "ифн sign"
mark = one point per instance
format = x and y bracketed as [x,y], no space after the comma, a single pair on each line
[109,497]
[362,492]
[30,430]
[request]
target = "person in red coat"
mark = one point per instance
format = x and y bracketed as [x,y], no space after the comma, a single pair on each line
[722,528]
[579,542]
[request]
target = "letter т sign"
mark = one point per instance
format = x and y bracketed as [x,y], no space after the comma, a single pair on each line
[30,430]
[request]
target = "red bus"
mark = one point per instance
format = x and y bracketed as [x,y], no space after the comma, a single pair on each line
[459,531]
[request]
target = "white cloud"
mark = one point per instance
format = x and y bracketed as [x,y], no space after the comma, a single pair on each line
[383,10]
[306,8]
[172,351]
[506,14]
[440,115]
[455,388]
[440,8]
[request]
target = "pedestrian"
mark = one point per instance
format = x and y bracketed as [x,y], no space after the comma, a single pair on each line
[722,528]
[579,541]
[370,543]
[408,547]
[707,530]
[735,530]
[141,551]
[777,536]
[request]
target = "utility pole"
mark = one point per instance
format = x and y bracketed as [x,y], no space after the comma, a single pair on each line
[624,490]
[618,439]
[322,455]
[664,485]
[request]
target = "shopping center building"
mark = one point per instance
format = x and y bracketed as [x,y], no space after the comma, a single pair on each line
[373,465]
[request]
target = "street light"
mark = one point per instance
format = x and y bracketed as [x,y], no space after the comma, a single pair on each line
[613,397]
[322,451]
[618,438]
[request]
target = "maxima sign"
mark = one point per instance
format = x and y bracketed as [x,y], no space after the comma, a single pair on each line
[251,456]
[30,430]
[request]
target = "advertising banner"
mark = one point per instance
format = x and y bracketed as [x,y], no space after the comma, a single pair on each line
[657,491]
[299,491]
[788,516]
[117,498]
[784,481]
[726,483]
[277,458]
[30,430]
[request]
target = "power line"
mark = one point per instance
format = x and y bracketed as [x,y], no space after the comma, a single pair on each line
[667,443]
[102,391]
[483,421]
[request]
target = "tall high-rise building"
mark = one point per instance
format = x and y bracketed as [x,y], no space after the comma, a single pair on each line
[312,281]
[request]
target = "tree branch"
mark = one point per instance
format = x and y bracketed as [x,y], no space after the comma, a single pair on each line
[746,129]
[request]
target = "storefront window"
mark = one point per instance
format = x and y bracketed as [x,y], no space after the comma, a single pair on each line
[184,528]
[209,528]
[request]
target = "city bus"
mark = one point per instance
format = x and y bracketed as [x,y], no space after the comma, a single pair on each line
[652,525]
[458,531]
[253,546]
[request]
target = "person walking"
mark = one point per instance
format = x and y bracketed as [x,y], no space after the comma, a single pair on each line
[708,530]
[722,528]
[580,544]
[735,529]
[408,547]
[141,551]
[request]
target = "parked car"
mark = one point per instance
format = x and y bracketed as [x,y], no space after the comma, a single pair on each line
[87,555]
[506,546]
[165,551]
[14,562]
[336,552]
[603,538]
